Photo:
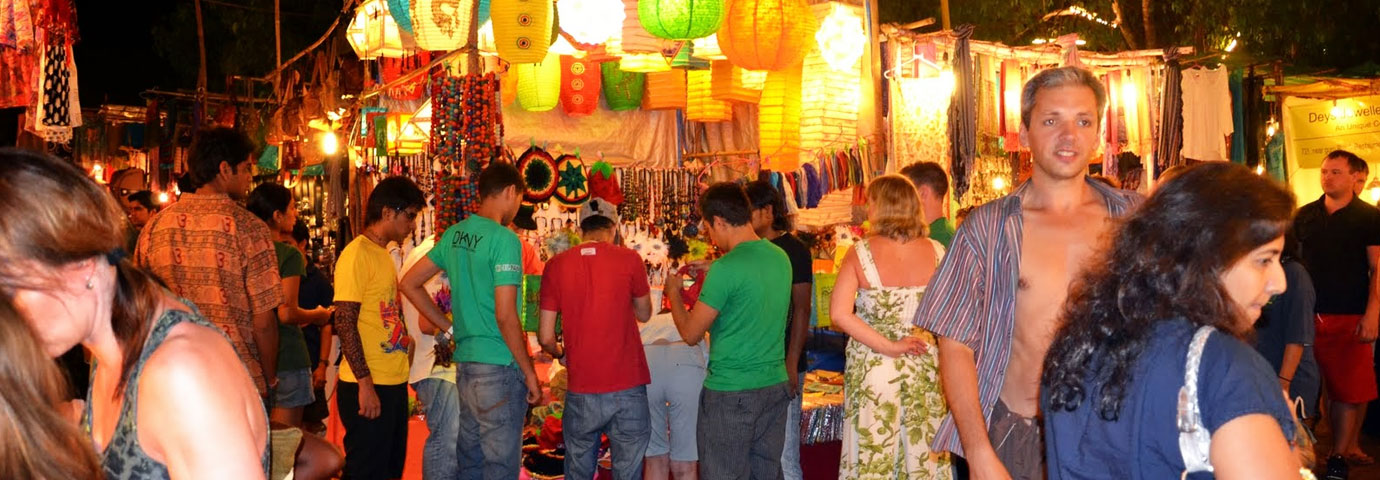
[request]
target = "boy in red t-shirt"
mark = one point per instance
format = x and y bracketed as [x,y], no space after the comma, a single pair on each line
[600,291]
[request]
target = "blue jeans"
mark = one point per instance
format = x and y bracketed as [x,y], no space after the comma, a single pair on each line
[623,415]
[493,408]
[441,403]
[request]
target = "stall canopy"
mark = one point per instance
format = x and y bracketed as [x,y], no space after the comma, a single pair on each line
[1326,114]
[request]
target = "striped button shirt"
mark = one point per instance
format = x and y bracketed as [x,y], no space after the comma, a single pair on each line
[972,298]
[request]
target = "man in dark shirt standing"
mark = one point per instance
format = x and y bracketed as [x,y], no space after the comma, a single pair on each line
[1340,237]
[771,221]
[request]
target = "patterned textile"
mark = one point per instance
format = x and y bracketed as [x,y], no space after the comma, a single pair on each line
[16,24]
[892,406]
[1171,116]
[215,253]
[972,298]
[123,458]
[56,111]
[16,77]
[963,114]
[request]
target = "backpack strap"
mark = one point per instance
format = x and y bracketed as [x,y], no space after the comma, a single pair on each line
[1195,440]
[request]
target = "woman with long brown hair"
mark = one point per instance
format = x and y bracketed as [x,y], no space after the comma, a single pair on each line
[32,395]
[168,396]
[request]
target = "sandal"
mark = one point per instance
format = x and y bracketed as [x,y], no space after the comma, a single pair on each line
[1360,459]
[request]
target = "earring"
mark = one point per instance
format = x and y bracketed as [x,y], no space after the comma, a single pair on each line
[90,285]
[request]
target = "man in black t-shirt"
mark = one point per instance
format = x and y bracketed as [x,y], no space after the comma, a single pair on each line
[772,221]
[1340,238]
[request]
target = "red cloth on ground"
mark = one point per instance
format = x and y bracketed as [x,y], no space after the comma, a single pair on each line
[592,286]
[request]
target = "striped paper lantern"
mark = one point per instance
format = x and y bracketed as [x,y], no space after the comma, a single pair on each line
[685,59]
[622,89]
[579,86]
[831,91]
[441,25]
[700,106]
[636,39]
[402,13]
[522,29]
[708,48]
[778,120]
[732,84]
[539,84]
[681,19]
[767,34]
[644,63]
[665,91]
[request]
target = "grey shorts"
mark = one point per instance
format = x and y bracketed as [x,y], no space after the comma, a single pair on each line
[294,389]
[674,399]
[1019,441]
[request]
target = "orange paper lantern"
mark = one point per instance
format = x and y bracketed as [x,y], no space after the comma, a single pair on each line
[767,34]
[700,105]
[665,91]
[778,120]
[579,86]
[732,84]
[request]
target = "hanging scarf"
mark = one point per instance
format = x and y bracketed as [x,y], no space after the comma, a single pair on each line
[963,114]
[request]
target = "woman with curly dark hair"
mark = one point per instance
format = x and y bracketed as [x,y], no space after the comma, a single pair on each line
[1184,278]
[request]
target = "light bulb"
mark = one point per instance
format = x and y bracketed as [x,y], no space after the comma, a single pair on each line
[1259,169]
[329,144]
[1374,194]
[999,183]
[163,197]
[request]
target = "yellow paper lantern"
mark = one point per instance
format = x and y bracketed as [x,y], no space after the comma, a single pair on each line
[665,91]
[732,84]
[592,21]
[373,33]
[831,92]
[644,63]
[700,105]
[441,25]
[767,34]
[539,84]
[522,29]
[778,121]
[707,48]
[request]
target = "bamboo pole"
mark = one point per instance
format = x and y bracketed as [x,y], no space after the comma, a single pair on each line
[201,46]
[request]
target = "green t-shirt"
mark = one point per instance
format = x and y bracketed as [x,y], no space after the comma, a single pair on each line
[751,288]
[478,255]
[942,231]
[292,346]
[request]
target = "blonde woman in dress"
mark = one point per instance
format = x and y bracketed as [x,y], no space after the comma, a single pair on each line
[892,399]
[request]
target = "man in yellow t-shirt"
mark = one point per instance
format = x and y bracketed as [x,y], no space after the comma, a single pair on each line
[372,393]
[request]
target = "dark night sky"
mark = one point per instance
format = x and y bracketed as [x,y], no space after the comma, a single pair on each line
[115,56]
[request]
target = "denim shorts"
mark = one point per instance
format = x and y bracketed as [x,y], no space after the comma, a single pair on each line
[294,389]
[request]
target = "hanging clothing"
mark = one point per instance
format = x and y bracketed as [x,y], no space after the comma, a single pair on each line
[1274,158]
[963,114]
[1171,121]
[1238,116]
[892,406]
[1207,114]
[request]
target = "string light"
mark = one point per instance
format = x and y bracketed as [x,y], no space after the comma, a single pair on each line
[162,197]
[1082,12]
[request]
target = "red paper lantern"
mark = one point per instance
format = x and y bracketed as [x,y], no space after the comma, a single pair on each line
[579,86]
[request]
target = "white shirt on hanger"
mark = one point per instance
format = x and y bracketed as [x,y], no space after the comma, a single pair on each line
[1206,114]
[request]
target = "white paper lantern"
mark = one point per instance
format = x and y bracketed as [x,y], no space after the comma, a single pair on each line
[373,33]
[840,37]
[592,21]
[441,25]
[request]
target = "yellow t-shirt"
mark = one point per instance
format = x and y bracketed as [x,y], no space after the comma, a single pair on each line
[365,274]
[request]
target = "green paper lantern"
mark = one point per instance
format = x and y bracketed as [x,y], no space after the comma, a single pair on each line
[681,19]
[622,90]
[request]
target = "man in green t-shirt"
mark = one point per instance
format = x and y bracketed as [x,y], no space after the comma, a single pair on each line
[742,305]
[933,186]
[494,371]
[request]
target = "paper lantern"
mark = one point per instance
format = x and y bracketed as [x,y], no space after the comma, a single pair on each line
[840,37]
[572,182]
[373,33]
[644,63]
[522,29]
[402,13]
[441,25]
[685,59]
[680,19]
[635,39]
[538,171]
[539,84]
[622,89]
[829,95]
[708,48]
[700,106]
[507,86]
[665,91]
[579,86]
[778,121]
[592,21]
[767,34]
[483,12]
[732,84]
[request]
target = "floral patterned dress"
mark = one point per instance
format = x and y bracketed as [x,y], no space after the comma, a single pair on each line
[892,406]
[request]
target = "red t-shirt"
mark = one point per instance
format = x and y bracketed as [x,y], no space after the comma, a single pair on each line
[592,286]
